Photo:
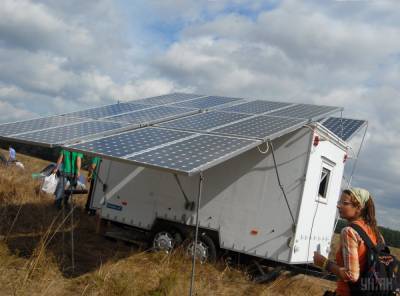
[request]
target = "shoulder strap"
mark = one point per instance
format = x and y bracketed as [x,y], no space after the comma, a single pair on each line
[363,235]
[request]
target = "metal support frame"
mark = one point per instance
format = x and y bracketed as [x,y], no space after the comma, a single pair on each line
[201,180]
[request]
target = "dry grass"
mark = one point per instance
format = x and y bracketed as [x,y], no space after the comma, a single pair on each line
[36,260]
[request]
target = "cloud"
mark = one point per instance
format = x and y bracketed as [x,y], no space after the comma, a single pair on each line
[305,53]
[59,56]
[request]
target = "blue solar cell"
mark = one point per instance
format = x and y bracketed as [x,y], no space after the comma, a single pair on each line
[167,99]
[195,154]
[206,102]
[345,128]
[262,127]
[110,110]
[256,107]
[65,134]
[204,121]
[9,129]
[127,143]
[307,111]
[151,115]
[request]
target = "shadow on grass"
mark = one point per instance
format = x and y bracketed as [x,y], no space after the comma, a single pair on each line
[25,227]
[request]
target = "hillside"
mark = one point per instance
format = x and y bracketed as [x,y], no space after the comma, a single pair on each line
[35,261]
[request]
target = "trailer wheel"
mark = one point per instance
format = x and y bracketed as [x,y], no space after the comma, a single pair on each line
[166,240]
[205,249]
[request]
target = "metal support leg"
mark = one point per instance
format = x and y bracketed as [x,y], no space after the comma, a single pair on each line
[196,232]
[72,235]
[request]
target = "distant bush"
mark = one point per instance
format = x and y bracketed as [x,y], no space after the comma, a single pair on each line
[392,237]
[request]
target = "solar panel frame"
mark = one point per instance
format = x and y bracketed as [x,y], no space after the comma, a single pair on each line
[350,126]
[149,116]
[319,111]
[203,122]
[256,127]
[74,133]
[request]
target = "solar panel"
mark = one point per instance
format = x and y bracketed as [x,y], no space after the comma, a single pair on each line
[262,127]
[109,110]
[256,107]
[65,134]
[307,111]
[187,143]
[152,115]
[206,102]
[9,129]
[167,99]
[344,128]
[195,154]
[204,121]
[130,142]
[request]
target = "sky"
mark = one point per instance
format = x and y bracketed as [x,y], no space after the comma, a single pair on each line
[60,56]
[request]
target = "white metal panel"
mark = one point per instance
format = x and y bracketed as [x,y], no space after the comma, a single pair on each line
[316,217]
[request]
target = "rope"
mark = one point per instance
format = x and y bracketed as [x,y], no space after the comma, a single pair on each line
[265,151]
[279,182]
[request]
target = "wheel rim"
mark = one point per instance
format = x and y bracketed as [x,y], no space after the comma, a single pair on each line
[201,251]
[163,241]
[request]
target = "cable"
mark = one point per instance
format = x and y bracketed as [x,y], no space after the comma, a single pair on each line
[280,184]
[311,231]
[265,151]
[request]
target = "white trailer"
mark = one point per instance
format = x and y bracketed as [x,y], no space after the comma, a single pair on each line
[243,207]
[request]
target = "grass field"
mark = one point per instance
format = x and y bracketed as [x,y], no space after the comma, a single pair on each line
[35,254]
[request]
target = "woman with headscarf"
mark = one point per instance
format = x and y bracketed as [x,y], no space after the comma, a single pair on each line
[357,207]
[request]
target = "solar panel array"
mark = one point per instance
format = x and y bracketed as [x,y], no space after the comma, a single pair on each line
[256,107]
[344,128]
[262,127]
[167,99]
[184,141]
[204,121]
[195,154]
[63,134]
[110,110]
[153,114]
[15,128]
[130,142]
[306,111]
[206,102]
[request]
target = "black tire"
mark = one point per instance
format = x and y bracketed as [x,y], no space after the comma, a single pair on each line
[172,234]
[204,241]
